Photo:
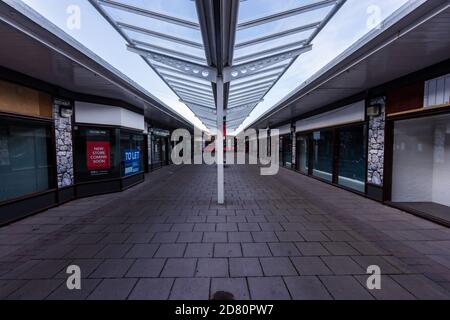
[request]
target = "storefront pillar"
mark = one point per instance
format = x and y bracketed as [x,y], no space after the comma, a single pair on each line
[62,114]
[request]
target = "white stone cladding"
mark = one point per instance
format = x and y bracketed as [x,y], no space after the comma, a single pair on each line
[64,148]
[376,141]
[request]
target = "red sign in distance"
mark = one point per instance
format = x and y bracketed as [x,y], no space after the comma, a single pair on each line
[98,155]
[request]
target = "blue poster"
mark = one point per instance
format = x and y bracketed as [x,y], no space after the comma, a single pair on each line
[132,159]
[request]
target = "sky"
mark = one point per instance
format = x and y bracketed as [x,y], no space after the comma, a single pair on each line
[354,20]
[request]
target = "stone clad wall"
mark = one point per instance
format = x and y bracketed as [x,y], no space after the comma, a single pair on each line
[294,148]
[64,149]
[376,147]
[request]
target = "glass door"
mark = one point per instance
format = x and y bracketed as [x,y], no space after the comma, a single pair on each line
[302,153]
[323,154]
[352,157]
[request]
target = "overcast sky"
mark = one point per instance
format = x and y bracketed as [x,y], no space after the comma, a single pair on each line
[354,20]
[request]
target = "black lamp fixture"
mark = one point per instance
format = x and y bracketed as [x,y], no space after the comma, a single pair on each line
[65,108]
[374,108]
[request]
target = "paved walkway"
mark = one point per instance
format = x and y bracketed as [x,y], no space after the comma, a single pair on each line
[282,237]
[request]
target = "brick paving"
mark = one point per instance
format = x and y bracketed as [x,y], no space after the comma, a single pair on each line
[281,237]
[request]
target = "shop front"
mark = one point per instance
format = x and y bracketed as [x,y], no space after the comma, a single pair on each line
[332,147]
[420,150]
[110,156]
[285,146]
[27,152]
[160,148]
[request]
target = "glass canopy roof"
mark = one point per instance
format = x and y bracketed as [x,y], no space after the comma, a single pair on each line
[268,37]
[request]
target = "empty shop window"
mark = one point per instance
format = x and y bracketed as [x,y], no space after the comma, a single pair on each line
[26,158]
[323,154]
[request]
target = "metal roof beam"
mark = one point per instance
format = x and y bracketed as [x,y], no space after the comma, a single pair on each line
[277,35]
[193,90]
[159,35]
[250,89]
[188,100]
[201,110]
[247,101]
[188,85]
[242,107]
[245,96]
[254,69]
[239,88]
[169,52]
[171,77]
[285,14]
[246,82]
[184,67]
[194,98]
[195,95]
[150,14]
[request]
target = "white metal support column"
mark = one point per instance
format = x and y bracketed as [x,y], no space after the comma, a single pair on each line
[219,142]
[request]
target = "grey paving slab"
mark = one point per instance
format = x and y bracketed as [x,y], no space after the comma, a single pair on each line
[249,227]
[284,249]
[277,266]
[152,289]
[146,268]
[63,293]
[141,250]
[155,232]
[112,268]
[171,250]
[289,236]
[343,265]
[307,266]
[215,237]
[340,248]
[190,237]
[307,288]
[236,286]
[312,249]
[385,266]
[240,237]
[206,227]
[309,235]
[87,266]
[230,226]
[85,251]
[264,236]
[115,238]
[227,250]
[113,289]
[165,237]
[421,287]
[208,267]
[140,237]
[245,267]
[179,267]
[256,250]
[199,250]
[190,289]
[390,289]
[268,288]
[35,289]
[112,251]
[345,288]
[7,287]
[45,269]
